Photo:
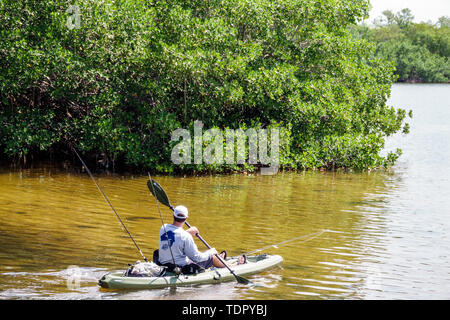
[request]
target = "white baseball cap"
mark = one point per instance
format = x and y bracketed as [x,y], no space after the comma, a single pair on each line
[180,212]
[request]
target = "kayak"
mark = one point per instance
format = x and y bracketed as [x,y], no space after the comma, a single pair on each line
[254,264]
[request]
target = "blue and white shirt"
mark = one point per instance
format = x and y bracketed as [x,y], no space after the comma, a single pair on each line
[183,247]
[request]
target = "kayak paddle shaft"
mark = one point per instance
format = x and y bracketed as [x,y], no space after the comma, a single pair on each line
[238,278]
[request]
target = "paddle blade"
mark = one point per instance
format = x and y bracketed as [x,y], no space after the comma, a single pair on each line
[158,192]
[243,280]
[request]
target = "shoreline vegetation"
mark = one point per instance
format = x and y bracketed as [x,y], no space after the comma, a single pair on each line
[115,79]
[420,51]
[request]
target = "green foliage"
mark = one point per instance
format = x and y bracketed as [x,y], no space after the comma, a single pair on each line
[136,70]
[419,51]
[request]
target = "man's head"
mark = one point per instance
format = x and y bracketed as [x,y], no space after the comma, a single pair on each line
[180,213]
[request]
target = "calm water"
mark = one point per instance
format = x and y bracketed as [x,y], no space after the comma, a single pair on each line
[387,233]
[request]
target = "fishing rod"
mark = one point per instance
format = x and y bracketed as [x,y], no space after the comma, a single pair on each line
[276,245]
[177,269]
[110,204]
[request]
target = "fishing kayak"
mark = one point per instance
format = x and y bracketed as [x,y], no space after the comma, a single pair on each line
[254,264]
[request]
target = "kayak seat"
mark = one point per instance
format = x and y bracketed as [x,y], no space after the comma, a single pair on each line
[156,257]
[187,269]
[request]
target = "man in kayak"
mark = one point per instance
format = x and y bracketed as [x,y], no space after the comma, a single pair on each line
[177,244]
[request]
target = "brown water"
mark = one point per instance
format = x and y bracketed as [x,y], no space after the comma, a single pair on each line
[386,234]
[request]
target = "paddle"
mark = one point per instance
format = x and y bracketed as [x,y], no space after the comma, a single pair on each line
[159,193]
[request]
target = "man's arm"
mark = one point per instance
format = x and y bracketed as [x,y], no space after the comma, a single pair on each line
[193,253]
[193,231]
